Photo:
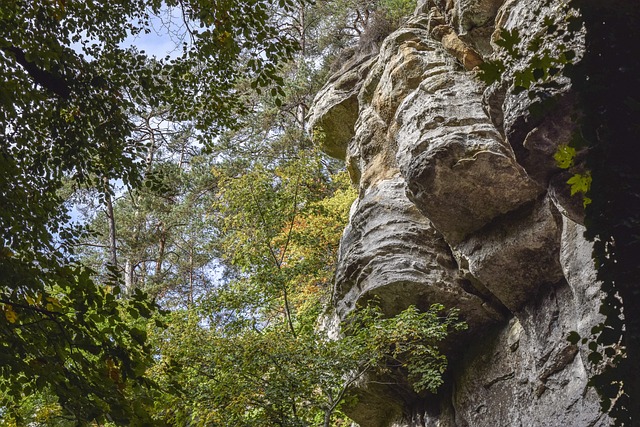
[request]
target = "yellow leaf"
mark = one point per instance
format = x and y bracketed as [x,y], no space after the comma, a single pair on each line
[564,156]
[580,183]
[53,302]
[5,252]
[11,315]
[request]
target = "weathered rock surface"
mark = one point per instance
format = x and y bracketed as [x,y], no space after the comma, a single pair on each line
[516,255]
[458,169]
[391,250]
[333,119]
[461,203]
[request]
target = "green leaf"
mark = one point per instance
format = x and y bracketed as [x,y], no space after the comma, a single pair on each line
[595,358]
[509,39]
[573,337]
[564,156]
[580,183]
[491,71]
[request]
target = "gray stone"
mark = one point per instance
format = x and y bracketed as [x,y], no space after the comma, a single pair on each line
[515,256]
[579,271]
[461,203]
[459,171]
[471,14]
[527,374]
[534,125]
[391,251]
[335,107]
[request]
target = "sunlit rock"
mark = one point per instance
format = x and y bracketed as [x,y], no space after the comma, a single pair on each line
[461,202]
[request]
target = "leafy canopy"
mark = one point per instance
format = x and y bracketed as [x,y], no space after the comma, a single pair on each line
[70,96]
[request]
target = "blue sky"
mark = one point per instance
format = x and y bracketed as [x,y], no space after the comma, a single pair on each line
[165,36]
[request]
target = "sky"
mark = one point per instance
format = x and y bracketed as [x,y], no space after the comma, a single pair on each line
[165,37]
[166,31]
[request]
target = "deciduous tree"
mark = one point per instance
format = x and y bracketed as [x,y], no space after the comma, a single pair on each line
[70,99]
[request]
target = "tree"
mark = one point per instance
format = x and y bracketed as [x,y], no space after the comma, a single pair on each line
[255,335]
[242,375]
[165,234]
[70,96]
[280,224]
[251,350]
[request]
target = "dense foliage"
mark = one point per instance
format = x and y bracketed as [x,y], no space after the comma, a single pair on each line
[71,99]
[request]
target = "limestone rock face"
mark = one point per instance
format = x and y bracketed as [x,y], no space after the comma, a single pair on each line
[333,118]
[385,227]
[459,170]
[461,203]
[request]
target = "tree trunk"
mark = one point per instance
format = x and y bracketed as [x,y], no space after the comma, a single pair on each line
[128,275]
[190,298]
[111,220]
[161,248]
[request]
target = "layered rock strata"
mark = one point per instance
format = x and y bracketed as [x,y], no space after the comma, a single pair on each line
[461,203]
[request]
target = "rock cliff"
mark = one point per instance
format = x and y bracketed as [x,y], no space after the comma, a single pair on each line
[460,202]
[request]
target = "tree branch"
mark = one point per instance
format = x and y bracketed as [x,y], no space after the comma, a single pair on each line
[54,83]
